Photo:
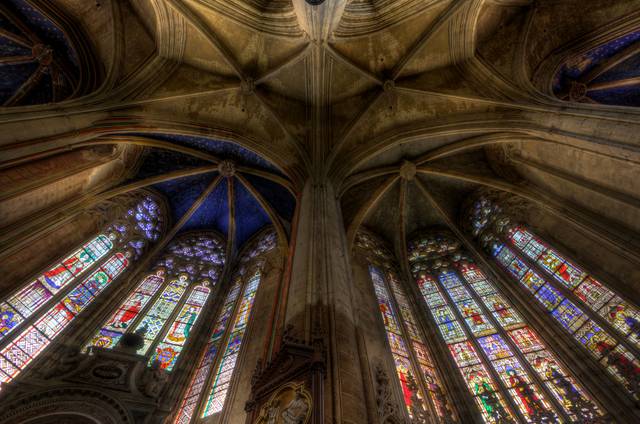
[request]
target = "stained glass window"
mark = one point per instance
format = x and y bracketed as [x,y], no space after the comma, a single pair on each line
[625,367]
[190,400]
[218,393]
[35,314]
[120,320]
[600,320]
[397,343]
[169,349]
[214,372]
[165,309]
[620,314]
[407,345]
[157,316]
[34,295]
[491,338]
[35,337]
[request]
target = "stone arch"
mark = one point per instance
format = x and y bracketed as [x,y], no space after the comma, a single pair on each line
[50,406]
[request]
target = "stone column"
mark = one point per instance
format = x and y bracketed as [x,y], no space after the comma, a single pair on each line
[320,300]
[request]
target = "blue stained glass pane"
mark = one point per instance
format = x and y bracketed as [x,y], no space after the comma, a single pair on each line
[549,297]
[505,256]
[449,280]
[517,268]
[569,315]
[495,347]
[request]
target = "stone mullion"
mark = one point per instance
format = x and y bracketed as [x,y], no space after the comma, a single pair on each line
[455,385]
[568,294]
[572,357]
[58,296]
[514,349]
[409,344]
[208,385]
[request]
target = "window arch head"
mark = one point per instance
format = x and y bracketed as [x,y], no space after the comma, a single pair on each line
[134,220]
[199,255]
[181,281]
[44,60]
[374,248]
[252,255]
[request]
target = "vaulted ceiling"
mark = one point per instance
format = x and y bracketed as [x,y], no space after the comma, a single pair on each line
[405,106]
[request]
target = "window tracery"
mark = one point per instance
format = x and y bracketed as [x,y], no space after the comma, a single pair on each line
[38,312]
[408,348]
[166,304]
[598,318]
[216,366]
[508,369]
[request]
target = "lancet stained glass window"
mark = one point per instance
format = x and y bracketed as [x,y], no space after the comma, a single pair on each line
[403,344]
[190,400]
[214,372]
[35,314]
[166,304]
[218,393]
[482,328]
[595,316]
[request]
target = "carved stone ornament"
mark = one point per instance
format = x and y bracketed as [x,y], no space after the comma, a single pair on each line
[65,404]
[387,408]
[291,404]
[105,385]
[284,390]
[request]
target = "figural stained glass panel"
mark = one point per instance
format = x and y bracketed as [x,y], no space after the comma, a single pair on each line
[156,317]
[169,349]
[505,352]
[34,338]
[34,295]
[624,366]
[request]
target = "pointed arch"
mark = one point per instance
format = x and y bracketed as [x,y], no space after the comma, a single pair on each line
[208,389]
